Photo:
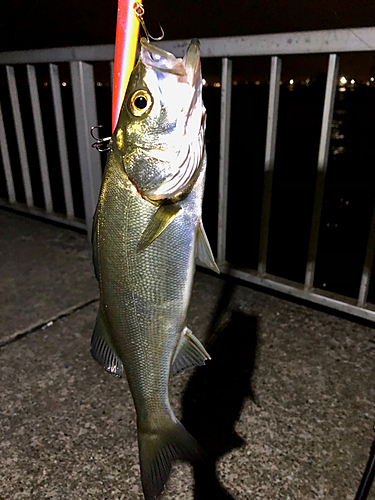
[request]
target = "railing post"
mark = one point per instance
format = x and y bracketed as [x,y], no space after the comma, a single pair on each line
[226,94]
[61,139]
[6,161]
[20,135]
[39,135]
[367,267]
[86,117]
[269,161]
[325,137]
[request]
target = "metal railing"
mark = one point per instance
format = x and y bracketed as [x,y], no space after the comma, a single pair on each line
[331,42]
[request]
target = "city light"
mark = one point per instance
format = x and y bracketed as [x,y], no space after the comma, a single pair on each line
[204,82]
[257,82]
[217,84]
[99,84]
[63,84]
[343,80]
[352,81]
[291,81]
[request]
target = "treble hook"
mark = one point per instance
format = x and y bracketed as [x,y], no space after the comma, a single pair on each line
[100,144]
[139,12]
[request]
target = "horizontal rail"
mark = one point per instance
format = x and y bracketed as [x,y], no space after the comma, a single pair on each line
[339,303]
[300,42]
[59,54]
[40,213]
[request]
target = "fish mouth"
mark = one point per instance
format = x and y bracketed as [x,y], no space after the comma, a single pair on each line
[161,60]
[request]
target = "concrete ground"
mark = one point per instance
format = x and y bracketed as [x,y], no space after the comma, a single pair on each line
[285,408]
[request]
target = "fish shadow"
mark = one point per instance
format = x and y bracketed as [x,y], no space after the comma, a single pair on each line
[215,394]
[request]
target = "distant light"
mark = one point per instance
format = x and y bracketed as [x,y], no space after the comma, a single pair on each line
[352,81]
[46,84]
[368,84]
[372,79]
[343,80]
[235,82]
[291,81]
[246,82]
[217,84]
[342,89]
[204,82]
[63,84]
[99,84]
[257,82]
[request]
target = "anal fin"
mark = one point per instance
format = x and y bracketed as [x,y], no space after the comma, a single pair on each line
[190,352]
[162,218]
[102,349]
[203,250]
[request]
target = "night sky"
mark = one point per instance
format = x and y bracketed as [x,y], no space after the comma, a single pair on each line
[27,24]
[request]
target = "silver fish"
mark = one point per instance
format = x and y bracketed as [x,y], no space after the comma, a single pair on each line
[147,233]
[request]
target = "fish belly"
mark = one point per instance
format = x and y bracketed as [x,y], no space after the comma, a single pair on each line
[145,294]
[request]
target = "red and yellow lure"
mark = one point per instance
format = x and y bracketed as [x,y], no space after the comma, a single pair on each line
[129,16]
[127,31]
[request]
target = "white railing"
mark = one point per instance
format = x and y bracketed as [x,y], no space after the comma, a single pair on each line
[80,59]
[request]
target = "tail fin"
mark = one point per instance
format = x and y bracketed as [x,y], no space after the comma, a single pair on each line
[158,450]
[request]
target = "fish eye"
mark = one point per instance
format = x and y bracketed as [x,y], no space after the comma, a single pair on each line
[140,103]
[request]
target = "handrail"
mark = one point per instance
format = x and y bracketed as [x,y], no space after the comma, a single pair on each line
[299,42]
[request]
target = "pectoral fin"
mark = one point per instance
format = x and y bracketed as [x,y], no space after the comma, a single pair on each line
[162,218]
[203,250]
[102,349]
[189,353]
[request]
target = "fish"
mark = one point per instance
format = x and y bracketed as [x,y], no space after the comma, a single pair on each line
[147,234]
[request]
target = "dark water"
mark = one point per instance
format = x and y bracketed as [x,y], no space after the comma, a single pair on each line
[349,193]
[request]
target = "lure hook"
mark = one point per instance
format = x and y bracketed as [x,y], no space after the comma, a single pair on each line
[101,144]
[139,12]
